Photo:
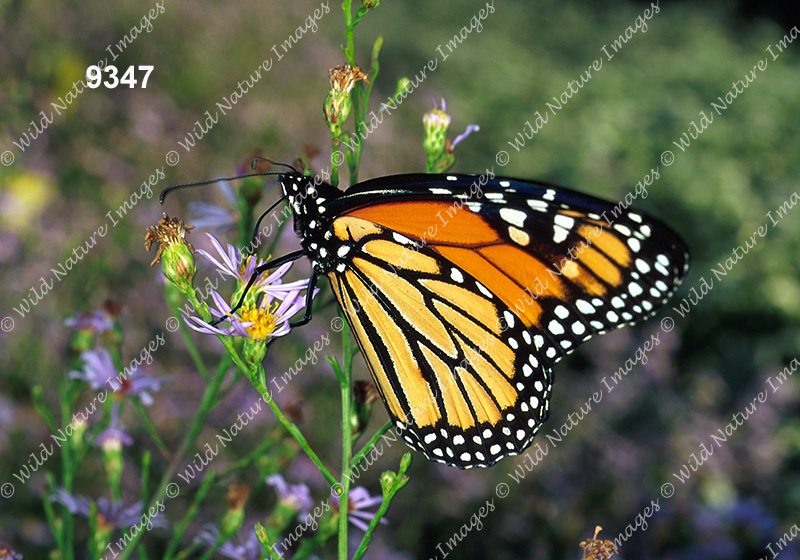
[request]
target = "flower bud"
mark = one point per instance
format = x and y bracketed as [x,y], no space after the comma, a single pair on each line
[388,479]
[175,253]
[436,122]
[233,519]
[438,148]
[338,103]
[111,442]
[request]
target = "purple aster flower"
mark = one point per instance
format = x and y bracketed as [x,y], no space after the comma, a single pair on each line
[360,500]
[113,515]
[470,129]
[113,437]
[461,137]
[212,217]
[231,262]
[98,370]
[7,416]
[7,552]
[298,496]
[237,548]
[97,321]
[267,319]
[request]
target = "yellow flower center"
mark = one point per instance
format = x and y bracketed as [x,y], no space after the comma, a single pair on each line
[263,320]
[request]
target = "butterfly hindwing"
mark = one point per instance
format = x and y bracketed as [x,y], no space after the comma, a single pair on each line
[448,356]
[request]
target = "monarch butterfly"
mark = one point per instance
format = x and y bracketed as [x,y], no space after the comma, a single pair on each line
[463,292]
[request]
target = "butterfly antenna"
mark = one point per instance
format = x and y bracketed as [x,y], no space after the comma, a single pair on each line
[211,181]
[251,249]
[257,159]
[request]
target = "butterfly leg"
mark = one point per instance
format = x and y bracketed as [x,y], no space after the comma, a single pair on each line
[312,284]
[256,273]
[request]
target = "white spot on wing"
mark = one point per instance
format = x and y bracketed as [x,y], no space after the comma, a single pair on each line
[401,238]
[484,290]
[564,221]
[559,233]
[513,216]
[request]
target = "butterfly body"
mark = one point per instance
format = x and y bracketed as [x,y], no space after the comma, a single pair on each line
[463,291]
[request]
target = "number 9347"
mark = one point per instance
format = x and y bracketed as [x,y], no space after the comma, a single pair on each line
[110,76]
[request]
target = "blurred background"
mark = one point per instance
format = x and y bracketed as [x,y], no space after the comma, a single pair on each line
[59,190]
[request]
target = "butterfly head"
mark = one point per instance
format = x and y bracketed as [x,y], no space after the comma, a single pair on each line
[309,198]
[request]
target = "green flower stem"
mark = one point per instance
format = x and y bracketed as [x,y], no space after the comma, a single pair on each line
[231,383]
[353,159]
[189,551]
[349,50]
[255,377]
[42,408]
[145,475]
[368,446]
[194,509]
[248,459]
[361,115]
[400,481]
[288,424]
[191,348]
[347,438]
[150,428]
[335,143]
[95,541]
[67,468]
[197,425]
[52,519]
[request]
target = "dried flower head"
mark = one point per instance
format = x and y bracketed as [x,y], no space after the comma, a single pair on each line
[174,251]
[596,549]
[338,104]
[237,495]
[344,77]
[168,231]
[234,518]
